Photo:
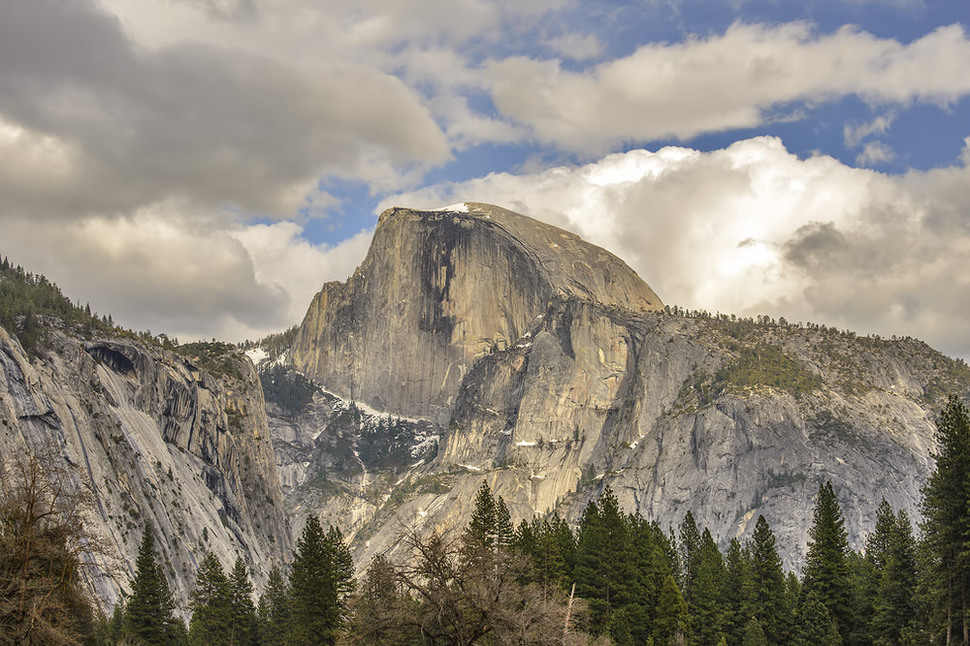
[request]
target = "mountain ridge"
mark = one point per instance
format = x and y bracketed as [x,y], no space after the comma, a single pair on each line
[727,418]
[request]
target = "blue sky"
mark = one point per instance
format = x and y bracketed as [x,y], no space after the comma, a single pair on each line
[201,167]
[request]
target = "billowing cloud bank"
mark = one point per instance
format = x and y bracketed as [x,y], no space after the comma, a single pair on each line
[752,229]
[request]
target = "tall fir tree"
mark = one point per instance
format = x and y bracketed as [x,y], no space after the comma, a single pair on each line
[242,629]
[895,609]
[768,600]
[604,554]
[274,610]
[210,603]
[671,620]
[690,550]
[705,607]
[815,625]
[321,579]
[738,592]
[946,523]
[826,572]
[150,612]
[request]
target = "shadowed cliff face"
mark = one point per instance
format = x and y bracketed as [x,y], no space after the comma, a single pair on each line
[438,291]
[551,371]
[162,440]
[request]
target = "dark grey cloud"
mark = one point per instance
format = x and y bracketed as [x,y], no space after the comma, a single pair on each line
[817,245]
[130,125]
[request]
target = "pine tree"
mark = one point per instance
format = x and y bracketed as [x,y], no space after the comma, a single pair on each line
[274,611]
[242,627]
[382,611]
[895,603]
[826,564]
[946,520]
[815,625]
[705,607]
[768,584]
[672,620]
[491,525]
[738,592]
[754,634]
[604,554]
[690,547]
[210,604]
[651,567]
[321,578]
[150,613]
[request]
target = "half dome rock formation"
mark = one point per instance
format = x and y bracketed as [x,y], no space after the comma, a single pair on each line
[544,366]
[438,291]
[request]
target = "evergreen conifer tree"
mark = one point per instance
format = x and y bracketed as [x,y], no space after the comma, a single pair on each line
[210,604]
[242,628]
[690,549]
[705,607]
[604,554]
[671,620]
[815,625]
[768,584]
[895,600]
[321,578]
[150,613]
[274,611]
[946,522]
[826,564]
[738,594]
[754,634]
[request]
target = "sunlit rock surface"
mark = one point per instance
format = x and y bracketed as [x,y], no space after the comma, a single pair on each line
[548,369]
[162,440]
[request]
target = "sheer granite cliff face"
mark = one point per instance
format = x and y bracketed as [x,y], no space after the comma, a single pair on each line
[160,440]
[550,371]
[438,291]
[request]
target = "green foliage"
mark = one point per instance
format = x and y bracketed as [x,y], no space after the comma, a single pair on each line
[215,357]
[754,634]
[26,298]
[705,604]
[289,390]
[150,612]
[211,605]
[242,625]
[766,365]
[603,571]
[671,618]
[946,522]
[273,615]
[816,626]
[490,526]
[768,585]
[826,563]
[321,580]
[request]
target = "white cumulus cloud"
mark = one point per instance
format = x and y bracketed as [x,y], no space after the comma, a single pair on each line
[722,82]
[752,229]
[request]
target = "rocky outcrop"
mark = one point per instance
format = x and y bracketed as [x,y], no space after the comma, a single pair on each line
[552,371]
[177,443]
[440,290]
